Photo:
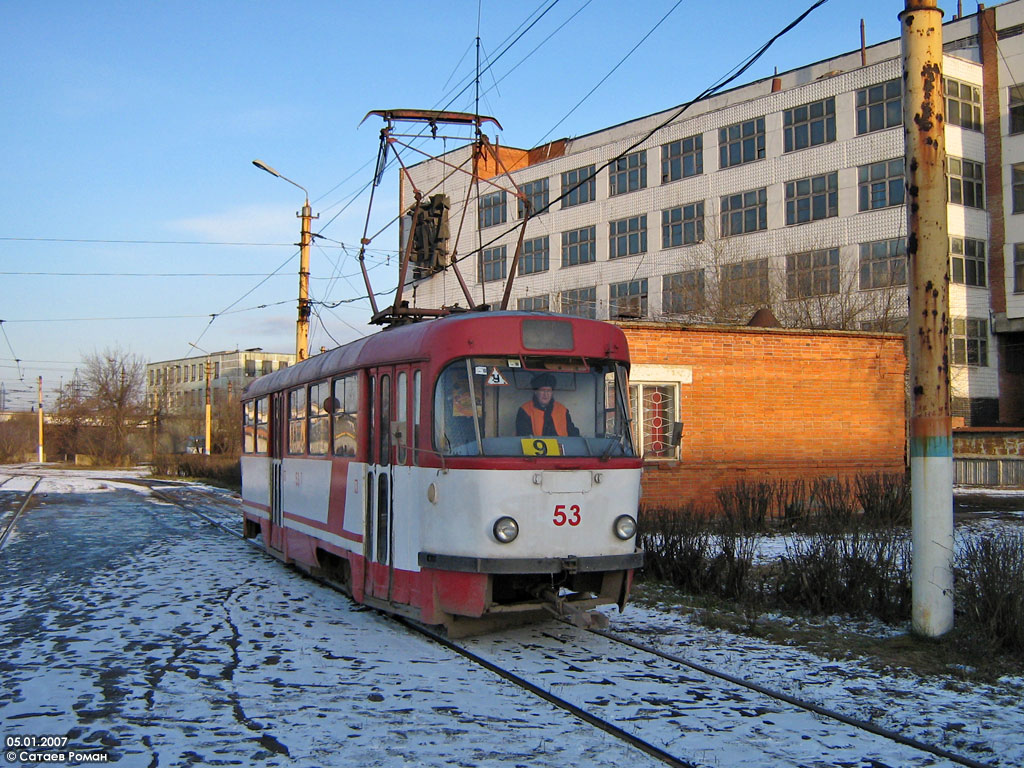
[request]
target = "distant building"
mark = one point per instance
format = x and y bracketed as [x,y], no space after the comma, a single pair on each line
[787,192]
[178,385]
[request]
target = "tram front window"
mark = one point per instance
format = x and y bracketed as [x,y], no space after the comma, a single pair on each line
[532,406]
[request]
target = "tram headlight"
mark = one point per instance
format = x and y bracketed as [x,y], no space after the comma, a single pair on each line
[506,529]
[625,527]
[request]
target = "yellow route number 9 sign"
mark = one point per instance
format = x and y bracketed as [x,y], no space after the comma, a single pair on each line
[541,446]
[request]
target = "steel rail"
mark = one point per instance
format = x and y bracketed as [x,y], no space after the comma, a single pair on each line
[21,508]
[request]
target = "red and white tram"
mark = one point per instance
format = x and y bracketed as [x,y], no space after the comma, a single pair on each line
[393,466]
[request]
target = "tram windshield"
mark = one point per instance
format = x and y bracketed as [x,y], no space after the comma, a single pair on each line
[532,406]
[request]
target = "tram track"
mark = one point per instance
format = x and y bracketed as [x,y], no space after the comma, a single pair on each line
[198,501]
[17,506]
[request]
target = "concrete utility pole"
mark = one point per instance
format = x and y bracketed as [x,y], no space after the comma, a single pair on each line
[302,324]
[40,412]
[209,405]
[931,433]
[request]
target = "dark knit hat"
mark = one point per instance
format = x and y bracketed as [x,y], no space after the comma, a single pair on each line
[543,380]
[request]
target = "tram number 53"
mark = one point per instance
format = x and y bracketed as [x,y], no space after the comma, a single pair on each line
[567,514]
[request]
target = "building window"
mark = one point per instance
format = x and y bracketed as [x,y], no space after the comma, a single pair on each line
[320,409]
[536,193]
[969,341]
[881,184]
[627,237]
[745,283]
[1016,109]
[581,302]
[534,257]
[683,158]
[741,143]
[809,125]
[883,263]
[683,225]
[1017,181]
[1018,268]
[628,301]
[965,182]
[744,212]
[963,104]
[297,420]
[493,264]
[533,303]
[268,367]
[579,246]
[654,415]
[250,367]
[814,273]
[578,186]
[493,209]
[628,174]
[879,107]
[968,261]
[812,199]
[682,292]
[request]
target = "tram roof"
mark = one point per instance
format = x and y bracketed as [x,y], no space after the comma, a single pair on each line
[466,333]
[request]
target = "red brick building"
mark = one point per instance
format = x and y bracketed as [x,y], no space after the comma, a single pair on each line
[764,404]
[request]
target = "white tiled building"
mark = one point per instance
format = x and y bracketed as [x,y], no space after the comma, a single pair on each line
[786,192]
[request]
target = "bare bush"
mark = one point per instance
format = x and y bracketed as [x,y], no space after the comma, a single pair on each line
[990,590]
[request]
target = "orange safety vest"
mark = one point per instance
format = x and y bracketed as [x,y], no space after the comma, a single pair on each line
[558,415]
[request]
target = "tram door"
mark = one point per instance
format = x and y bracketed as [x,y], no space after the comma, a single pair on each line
[379,536]
[278,424]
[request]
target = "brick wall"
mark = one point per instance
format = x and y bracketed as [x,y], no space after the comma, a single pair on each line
[774,404]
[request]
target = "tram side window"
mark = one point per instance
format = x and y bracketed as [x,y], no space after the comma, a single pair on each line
[346,415]
[249,427]
[297,420]
[319,424]
[262,424]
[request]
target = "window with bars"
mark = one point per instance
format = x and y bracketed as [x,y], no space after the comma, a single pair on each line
[741,143]
[683,225]
[533,303]
[627,237]
[628,300]
[493,264]
[578,186]
[745,282]
[654,415]
[535,256]
[682,292]
[966,185]
[963,104]
[493,209]
[968,261]
[969,342]
[683,158]
[813,273]
[881,185]
[536,193]
[812,199]
[579,246]
[1016,109]
[744,212]
[628,174]
[580,302]
[809,125]
[883,263]
[879,107]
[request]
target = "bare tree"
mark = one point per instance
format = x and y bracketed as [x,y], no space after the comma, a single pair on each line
[114,395]
[17,436]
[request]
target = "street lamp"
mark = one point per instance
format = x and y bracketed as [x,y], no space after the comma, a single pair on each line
[302,324]
[209,403]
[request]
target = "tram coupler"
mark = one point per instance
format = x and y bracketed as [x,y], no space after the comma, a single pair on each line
[561,608]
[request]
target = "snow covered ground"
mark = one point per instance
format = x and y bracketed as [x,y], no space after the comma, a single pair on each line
[137,630]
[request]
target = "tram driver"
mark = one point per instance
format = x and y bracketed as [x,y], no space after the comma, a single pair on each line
[542,415]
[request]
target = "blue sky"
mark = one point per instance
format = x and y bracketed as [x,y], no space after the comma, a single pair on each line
[139,121]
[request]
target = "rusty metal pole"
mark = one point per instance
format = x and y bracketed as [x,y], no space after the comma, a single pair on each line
[931,435]
[302,324]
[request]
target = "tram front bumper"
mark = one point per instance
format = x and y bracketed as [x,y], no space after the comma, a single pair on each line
[503,565]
